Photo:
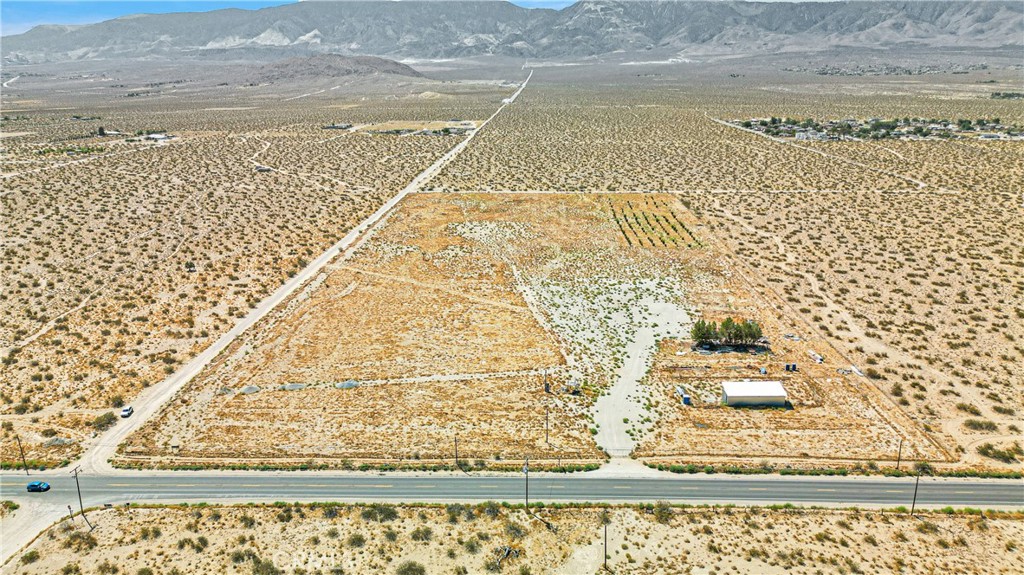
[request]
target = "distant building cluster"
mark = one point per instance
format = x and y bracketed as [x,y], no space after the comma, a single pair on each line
[879,129]
[888,69]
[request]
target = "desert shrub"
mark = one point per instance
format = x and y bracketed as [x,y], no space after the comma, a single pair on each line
[490,509]
[422,534]
[1008,455]
[80,541]
[30,557]
[379,512]
[247,521]
[243,555]
[515,530]
[265,567]
[104,421]
[455,510]
[411,568]
[197,545]
[662,512]
[968,408]
[980,425]
[356,540]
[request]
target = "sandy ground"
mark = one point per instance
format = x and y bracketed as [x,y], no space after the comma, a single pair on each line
[149,243]
[871,249]
[309,539]
[483,296]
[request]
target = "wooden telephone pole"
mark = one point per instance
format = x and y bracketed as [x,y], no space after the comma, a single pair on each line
[22,450]
[75,472]
[526,470]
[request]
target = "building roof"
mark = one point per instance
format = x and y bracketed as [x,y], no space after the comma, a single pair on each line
[750,388]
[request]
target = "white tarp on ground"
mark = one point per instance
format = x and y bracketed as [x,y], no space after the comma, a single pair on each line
[752,392]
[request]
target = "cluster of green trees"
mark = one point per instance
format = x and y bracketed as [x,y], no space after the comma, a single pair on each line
[730,332]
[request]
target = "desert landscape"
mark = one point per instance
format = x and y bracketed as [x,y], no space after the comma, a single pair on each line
[360,274]
[166,243]
[812,230]
[663,203]
[488,537]
[468,300]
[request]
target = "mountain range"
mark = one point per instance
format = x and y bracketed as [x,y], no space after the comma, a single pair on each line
[589,28]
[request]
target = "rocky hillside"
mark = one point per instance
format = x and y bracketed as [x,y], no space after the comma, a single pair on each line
[451,29]
[329,66]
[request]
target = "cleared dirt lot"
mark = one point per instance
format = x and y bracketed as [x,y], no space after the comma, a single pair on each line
[469,539]
[442,315]
[455,312]
[833,418]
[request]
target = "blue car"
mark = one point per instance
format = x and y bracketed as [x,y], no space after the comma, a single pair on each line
[38,487]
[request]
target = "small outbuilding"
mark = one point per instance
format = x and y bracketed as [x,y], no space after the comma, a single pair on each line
[751,393]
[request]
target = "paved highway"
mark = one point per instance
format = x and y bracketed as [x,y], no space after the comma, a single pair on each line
[185,486]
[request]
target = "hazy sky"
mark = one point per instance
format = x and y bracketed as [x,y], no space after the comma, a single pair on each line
[17,16]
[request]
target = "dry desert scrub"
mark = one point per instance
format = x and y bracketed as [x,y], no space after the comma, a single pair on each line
[897,283]
[297,538]
[120,267]
[903,257]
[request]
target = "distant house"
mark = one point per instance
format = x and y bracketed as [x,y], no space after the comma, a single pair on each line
[751,393]
[811,135]
[337,127]
[157,137]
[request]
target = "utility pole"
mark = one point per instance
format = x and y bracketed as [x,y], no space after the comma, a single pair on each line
[456,452]
[605,546]
[606,518]
[22,450]
[75,472]
[546,425]
[71,514]
[899,455]
[526,470]
[914,504]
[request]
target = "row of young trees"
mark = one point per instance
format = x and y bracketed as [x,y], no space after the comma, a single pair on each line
[730,332]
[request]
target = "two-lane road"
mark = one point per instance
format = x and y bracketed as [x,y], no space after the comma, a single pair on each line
[283,486]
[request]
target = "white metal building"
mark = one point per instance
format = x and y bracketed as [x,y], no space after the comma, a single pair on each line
[753,393]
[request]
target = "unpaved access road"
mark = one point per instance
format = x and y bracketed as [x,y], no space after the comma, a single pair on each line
[96,456]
